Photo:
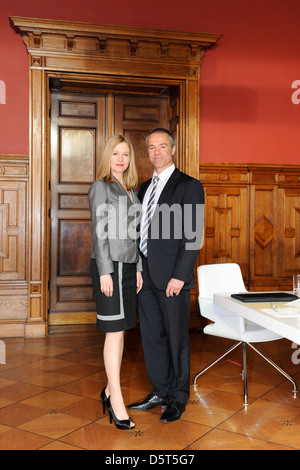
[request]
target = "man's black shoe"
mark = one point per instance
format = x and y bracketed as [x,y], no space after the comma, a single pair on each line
[173,412]
[151,401]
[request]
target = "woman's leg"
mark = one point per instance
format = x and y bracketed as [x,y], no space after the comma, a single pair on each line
[112,354]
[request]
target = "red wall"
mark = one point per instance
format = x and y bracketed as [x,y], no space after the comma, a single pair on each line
[247,114]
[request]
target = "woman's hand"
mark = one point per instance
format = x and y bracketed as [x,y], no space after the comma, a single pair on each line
[106,285]
[139,281]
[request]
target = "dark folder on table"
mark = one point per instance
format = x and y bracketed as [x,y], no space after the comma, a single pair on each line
[265,297]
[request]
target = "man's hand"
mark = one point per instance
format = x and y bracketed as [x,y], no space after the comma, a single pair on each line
[174,287]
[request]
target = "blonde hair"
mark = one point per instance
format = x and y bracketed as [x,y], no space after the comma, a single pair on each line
[104,172]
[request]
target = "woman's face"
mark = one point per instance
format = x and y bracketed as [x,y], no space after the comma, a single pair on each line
[119,160]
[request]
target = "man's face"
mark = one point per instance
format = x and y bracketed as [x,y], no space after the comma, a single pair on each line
[160,151]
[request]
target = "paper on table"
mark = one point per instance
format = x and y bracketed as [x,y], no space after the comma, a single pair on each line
[283,312]
[294,303]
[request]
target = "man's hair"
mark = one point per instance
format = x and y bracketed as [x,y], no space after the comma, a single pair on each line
[160,130]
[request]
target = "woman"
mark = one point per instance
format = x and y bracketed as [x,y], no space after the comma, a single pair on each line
[115,262]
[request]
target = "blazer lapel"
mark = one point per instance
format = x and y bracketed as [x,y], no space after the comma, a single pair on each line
[121,192]
[143,189]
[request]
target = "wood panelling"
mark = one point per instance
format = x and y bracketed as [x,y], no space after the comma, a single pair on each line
[13,244]
[252,217]
[134,116]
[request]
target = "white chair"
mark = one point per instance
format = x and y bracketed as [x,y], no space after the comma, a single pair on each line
[227,278]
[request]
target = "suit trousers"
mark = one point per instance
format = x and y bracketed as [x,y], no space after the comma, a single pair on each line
[164,323]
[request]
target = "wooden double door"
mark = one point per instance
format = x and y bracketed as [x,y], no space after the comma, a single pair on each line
[80,124]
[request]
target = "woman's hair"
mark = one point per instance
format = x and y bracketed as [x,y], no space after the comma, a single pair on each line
[130,174]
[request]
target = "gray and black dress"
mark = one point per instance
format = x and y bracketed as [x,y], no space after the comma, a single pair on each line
[115,217]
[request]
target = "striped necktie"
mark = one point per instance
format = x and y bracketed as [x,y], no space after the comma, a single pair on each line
[148,216]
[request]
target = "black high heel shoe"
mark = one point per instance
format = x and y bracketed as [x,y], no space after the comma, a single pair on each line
[120,424]
[103,398]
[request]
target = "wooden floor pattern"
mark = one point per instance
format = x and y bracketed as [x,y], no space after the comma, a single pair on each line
[49,397]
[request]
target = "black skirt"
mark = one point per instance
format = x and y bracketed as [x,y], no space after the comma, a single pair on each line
[119,312]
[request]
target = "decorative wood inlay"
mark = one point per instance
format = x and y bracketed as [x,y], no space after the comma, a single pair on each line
[263,232]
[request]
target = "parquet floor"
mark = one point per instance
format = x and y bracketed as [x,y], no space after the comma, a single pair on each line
[49,397]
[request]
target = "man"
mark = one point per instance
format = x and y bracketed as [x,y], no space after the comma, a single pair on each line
[171,236]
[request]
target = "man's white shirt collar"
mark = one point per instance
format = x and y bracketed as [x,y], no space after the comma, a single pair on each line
[164,175]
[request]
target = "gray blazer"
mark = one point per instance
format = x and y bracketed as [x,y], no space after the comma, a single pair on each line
[114,220]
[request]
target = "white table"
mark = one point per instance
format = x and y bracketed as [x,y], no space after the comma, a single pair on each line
[287,327]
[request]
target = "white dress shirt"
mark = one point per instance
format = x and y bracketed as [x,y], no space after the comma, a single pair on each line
[163,179]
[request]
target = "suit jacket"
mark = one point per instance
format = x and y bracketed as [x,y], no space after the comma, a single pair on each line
[176,230]
[114,222]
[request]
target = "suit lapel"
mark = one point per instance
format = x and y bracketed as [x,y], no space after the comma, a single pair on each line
[168,191]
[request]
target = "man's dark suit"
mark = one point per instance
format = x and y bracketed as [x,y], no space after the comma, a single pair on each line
[164,320]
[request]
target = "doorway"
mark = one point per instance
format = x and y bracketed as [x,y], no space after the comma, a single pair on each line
[108,60]
[82,118]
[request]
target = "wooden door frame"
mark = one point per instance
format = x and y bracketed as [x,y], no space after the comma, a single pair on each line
[98,52]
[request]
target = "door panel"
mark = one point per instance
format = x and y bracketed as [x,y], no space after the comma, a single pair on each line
[77,155]
[79,124]
[135,116]
[77,139]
